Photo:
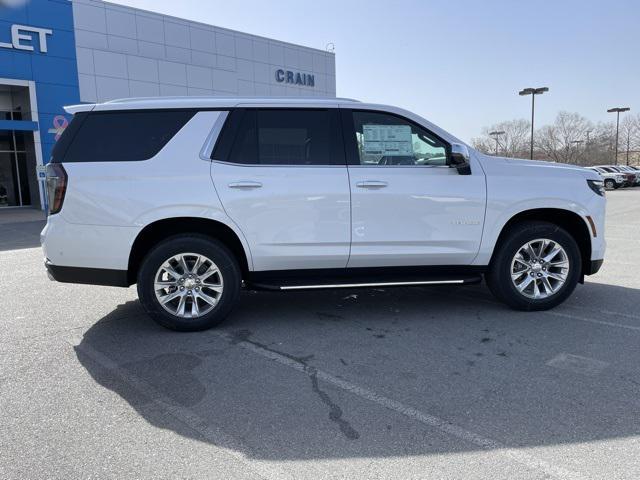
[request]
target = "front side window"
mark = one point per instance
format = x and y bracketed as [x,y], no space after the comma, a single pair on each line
[287,137]
[387,140]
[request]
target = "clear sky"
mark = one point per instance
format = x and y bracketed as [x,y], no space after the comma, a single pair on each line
[458,63]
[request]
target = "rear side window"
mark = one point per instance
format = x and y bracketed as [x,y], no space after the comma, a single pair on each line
[282,137]
[119,136]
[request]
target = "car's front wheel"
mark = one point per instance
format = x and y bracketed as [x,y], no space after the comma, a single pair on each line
[189,282]
[536,267]
[609,184]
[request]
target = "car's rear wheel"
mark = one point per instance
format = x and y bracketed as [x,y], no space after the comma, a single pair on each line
[189,282]
[536,267]
[610,184]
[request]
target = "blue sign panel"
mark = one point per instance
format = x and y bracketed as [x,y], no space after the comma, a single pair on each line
[37,43]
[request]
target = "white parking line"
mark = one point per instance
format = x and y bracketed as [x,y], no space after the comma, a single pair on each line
[605,312]
[574,317]
[592,320]
[230,446]
[445,426]
[227,444]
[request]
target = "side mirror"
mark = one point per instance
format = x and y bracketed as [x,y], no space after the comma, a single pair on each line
[459,158]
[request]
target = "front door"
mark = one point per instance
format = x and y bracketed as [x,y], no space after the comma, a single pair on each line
[409,207]
[282,178]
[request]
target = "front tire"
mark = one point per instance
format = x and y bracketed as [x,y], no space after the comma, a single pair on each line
[189,282]
[536,267]
[609,184]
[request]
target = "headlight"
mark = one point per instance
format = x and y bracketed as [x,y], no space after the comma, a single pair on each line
[597,186]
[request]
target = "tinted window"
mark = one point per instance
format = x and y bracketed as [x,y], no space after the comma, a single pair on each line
[387,140]
[119,136]
[284,137]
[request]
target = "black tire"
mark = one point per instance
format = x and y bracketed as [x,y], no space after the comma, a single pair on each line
[190,243]
[610,184]
[498,277]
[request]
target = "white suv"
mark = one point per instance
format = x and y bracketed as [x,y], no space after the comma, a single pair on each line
[196,198]
[612,180]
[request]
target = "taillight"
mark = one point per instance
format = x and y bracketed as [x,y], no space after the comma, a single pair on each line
[56,186]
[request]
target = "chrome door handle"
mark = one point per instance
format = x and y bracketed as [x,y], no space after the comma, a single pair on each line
[245,184]
[371,184]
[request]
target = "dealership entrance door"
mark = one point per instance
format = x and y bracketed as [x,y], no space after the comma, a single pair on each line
[14,182]
[18,173]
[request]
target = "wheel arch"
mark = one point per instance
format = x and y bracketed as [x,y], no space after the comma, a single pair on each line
[155,232]
[572,222]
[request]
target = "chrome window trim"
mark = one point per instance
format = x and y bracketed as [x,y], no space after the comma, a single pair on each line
[210,142]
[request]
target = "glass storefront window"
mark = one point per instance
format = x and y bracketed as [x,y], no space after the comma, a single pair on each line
[14,180]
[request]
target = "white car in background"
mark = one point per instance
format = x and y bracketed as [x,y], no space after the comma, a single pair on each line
[612,180]
[196,198]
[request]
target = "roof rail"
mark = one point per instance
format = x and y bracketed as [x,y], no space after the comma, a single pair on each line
[239,98]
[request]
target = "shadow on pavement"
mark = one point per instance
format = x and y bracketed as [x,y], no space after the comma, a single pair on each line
[452,354]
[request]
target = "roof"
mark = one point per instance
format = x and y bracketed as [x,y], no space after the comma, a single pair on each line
[214,102]
[205,102]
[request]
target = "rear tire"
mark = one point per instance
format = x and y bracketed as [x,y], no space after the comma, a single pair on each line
[184,270]
[534,281]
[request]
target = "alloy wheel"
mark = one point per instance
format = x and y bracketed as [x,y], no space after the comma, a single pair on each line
[188,285]
[540,268]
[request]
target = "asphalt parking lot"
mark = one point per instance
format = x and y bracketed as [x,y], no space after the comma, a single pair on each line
[391,383]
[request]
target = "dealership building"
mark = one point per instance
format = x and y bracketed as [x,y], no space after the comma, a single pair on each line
[59,52]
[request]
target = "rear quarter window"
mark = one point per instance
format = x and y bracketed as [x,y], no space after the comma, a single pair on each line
[119,136]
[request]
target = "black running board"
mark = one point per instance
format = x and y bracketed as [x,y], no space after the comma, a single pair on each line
[288,283]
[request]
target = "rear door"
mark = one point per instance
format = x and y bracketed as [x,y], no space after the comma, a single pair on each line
[409,207]
[282,178]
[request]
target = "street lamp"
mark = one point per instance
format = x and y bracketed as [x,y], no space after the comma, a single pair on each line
[496,134]
[533,92]
[617,110]
[577,144]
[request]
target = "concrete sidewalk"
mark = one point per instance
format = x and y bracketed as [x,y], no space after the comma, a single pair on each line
[20,215]
[20,228]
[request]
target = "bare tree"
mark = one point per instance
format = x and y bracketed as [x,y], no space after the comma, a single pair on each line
[571,138]
[629,140]
[564,140]
[512,143]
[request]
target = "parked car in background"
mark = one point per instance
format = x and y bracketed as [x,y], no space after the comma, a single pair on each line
[611,180]
[626,169]
[195,198]
[629,178]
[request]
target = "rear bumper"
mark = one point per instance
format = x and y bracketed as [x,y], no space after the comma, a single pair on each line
[89,276]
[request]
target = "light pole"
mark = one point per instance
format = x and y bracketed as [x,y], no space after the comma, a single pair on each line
[617,110]
[533,92]
[577,144]
[496,134]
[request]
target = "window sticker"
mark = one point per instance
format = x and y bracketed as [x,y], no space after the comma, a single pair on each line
[387,140]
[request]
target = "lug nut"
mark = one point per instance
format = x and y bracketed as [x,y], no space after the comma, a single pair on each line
[181,288]
[189,292]
[197,289]
[539,275]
